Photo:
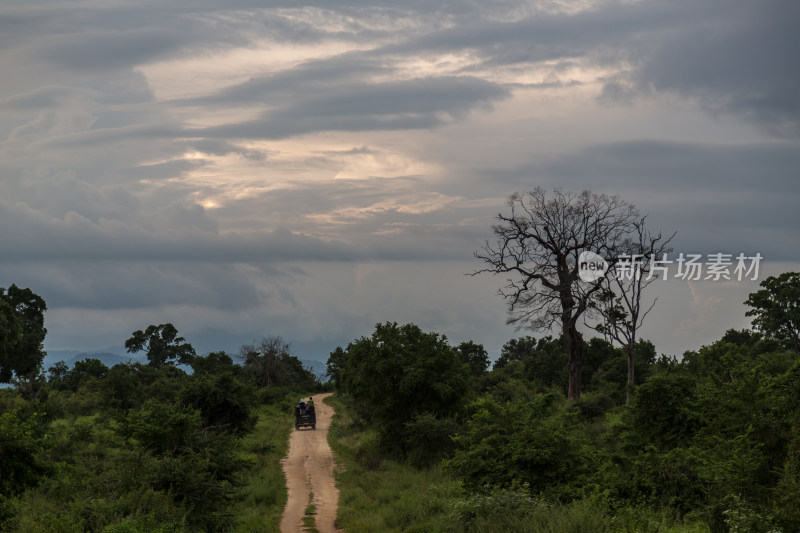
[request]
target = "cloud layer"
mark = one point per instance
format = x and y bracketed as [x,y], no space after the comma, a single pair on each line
[212,161]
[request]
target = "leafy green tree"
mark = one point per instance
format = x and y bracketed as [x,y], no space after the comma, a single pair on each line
[596,353]
[547,363]
[539,364]
[22,333]
[162,344]
[224,402]
[744,433]
[709,435]
[399,373]
[122,387]
[162,428]
[515,350]
[83,370]
[776,309]
[475,356]
[753,340]
[56,375]
[336,362]
[611,376]
[9,341]
[787,491]
[128,385]
[214,363]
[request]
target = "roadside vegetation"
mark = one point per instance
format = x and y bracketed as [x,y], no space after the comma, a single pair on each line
[183,443]
[262,495]
[710,442]
[429,438]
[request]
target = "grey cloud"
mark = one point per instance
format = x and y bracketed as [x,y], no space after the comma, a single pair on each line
[307,78]
[221,147]
[664,166]
[102,51]
[360,217]
[44,98]
[419,103]
[62,193]
[101,39]
[105,136]
[599,33]
[90,39]
[172,235]
[739,58]
[736,196]
[451,95]
[111,285]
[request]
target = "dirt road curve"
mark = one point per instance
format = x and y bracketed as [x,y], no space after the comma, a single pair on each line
[309,470]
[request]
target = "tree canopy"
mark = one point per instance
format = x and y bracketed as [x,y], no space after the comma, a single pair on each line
[162,344]
[776,309]
[400,373]
[22,332]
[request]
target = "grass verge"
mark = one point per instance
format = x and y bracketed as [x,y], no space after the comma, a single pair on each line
[264,496]
[381,495]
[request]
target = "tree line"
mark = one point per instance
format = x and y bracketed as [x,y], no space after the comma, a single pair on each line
[136,447]
[711,439]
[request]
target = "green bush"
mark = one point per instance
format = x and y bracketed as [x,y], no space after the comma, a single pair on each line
[429,439]
[538,442]
[20,466]
[664,412]
[224,402]
[593,405]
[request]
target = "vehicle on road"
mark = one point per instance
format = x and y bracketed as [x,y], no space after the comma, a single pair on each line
[305,417]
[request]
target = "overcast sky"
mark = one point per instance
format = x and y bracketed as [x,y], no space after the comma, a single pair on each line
[308,169]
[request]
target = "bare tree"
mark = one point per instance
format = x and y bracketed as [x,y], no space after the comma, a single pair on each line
[538,244]
[620,302]
[267,361]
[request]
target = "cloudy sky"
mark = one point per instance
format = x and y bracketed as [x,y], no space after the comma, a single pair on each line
[308,169]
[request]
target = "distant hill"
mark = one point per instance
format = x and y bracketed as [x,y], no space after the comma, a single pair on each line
[108,359]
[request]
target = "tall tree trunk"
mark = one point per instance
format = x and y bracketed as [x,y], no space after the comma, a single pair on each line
[629,388]
[573,341]
[28,385]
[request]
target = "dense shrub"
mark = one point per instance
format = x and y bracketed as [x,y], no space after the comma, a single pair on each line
[429,439]
[537,443]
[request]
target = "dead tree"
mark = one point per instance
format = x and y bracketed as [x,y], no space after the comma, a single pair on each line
[620,302]
[538,245]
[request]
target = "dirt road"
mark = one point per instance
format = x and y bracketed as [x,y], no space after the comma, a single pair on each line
[309,472]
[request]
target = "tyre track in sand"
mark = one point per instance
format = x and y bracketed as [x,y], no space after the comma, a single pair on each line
[309,469]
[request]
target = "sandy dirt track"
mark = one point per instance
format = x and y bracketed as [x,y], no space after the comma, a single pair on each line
[309,469]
